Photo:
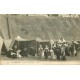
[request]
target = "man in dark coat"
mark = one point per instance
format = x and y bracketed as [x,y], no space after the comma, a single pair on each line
[67,50]
[74,49]
[58,51]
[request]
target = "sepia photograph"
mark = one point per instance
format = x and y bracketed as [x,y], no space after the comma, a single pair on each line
[40,38]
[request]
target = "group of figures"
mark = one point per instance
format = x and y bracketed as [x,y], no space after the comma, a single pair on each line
[57,51]
[18,53]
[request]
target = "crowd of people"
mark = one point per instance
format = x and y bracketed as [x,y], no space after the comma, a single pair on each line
[57,51]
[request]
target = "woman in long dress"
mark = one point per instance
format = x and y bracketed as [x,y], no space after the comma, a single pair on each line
[53,56]
[46,52]
[40,51]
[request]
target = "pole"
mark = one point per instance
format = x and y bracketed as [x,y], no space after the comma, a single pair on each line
[8,28]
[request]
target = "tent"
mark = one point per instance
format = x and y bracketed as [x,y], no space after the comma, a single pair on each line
[44,43]
[60,41]
[1,43]
[5,46]
[38,39]
[52,42]
[21,43]
[18,38]
[7,43]
[64,40]
[3,49]
[30,44]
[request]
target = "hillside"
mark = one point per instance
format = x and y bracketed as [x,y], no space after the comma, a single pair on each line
[31,27]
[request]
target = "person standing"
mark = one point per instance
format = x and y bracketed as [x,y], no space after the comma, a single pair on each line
[14,52]
[46,52]
[67,50]
[40,51]
[63,56]
[58,51]
[53,56]
[72,48]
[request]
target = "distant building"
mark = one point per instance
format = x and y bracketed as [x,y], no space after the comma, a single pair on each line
[38,15]
[68,15]
[45,15]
